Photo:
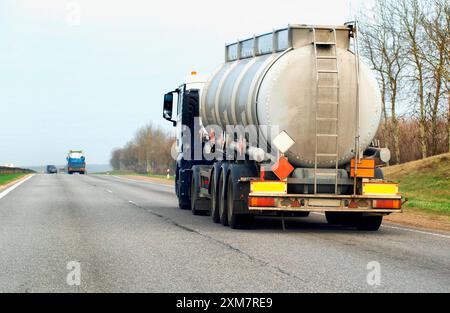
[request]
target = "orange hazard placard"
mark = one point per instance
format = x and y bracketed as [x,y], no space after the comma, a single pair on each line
[282,168]
[365,169]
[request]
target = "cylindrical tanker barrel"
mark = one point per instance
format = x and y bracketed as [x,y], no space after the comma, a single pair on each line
[277,88]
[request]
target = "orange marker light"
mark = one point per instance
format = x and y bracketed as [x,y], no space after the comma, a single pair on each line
[261,202]
[387,204]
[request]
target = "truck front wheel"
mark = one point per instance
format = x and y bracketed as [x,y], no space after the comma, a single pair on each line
[183,204]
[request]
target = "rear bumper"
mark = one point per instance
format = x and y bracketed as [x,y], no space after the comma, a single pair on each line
[326,203]
[74,169]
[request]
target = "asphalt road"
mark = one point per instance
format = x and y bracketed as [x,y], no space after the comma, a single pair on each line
[129,236]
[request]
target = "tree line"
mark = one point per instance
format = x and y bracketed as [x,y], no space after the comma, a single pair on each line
[148,152]
[406,42]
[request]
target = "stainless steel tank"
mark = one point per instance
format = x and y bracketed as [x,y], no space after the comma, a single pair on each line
[272,80]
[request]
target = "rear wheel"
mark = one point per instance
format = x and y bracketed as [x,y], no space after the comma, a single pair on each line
[348,219]
[333,218]
[214,201]
[369,223]
[222,201]
[236,221]
[183,204]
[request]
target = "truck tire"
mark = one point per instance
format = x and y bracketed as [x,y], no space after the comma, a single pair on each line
[183,204]
[194,198]
[333,218]
[348,219]
[214,200]
[379,173]
[222,200]
[236,221]
[369,223]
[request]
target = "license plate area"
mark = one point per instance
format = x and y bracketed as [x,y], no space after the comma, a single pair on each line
[331,203]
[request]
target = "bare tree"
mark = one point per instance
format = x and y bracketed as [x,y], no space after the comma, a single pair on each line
[115,158]
[147,152]
[436,25]
[382,45]
[410,14]
[407,44]
[371,50]
[393,57]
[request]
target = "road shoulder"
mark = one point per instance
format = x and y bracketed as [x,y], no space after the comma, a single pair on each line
[157,180]
[419,220]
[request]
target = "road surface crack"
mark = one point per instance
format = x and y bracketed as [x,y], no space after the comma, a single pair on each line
[250,257]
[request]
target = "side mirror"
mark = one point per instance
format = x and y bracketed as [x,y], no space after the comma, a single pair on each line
[168,105]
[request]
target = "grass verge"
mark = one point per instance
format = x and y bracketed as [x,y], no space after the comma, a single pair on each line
[426,184]
[7,178]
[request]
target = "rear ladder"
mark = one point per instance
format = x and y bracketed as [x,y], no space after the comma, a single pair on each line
[324,74]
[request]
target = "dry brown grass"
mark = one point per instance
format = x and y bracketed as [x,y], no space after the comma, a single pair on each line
[397,171]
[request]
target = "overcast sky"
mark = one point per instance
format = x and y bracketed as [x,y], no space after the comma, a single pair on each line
[85,74]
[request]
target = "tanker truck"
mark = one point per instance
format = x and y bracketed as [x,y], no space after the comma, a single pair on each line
[284,127]
[76,162]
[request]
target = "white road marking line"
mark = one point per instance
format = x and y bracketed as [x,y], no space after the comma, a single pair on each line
[107,190]
[132,202]
[142,181]
[8,190]
[405,229]
[417,231]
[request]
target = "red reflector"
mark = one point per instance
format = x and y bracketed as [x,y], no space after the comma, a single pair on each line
[387,204]
[261,202]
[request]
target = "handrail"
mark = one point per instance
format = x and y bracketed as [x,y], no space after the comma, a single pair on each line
[263,44]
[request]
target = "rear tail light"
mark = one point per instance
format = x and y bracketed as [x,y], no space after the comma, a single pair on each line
[387,204]
[261,202]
